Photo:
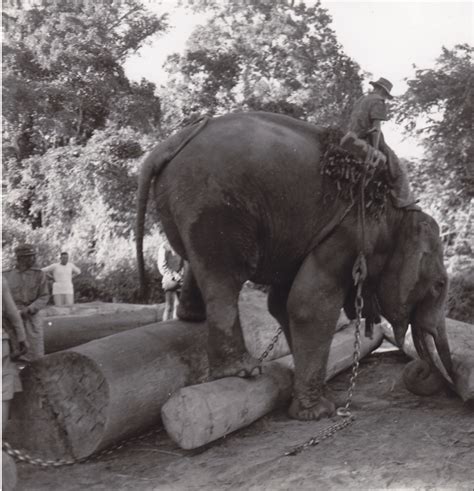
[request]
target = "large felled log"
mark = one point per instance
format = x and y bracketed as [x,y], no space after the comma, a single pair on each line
[461,343]
[200,414]
[66,331]
[78,401]
[92,308]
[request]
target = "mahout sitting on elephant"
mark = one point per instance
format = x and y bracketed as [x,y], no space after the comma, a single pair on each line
[245,197]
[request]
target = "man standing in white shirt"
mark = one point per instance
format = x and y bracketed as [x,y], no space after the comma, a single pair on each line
[63,273]
[171,267]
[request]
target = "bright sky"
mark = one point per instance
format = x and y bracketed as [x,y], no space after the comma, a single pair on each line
[384,37]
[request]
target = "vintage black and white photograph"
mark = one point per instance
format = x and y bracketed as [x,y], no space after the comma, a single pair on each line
[237,245]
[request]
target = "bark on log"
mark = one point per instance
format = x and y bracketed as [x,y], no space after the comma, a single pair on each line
[461,343]
[200,414]
[63,332]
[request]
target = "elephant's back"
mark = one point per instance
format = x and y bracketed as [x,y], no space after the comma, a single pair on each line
[248,153]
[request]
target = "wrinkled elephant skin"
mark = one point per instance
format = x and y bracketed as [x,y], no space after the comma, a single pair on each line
[241,197]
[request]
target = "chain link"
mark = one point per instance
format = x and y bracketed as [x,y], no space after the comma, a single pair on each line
[22,456]
[271,345]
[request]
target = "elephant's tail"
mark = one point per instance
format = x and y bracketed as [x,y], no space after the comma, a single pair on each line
[151,168]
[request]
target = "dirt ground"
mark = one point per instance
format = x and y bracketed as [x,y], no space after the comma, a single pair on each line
[398,440]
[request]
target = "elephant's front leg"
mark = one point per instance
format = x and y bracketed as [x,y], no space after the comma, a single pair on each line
[314,306]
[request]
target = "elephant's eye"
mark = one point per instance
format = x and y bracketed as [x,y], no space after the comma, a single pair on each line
[438,286]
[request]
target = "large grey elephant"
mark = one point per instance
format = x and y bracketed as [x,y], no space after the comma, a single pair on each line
[243,197]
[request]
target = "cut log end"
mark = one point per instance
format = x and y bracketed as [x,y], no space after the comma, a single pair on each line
[196,415]
[62,407]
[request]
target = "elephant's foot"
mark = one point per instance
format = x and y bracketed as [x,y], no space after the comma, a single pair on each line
[244,366]
[324,407]
[189,313]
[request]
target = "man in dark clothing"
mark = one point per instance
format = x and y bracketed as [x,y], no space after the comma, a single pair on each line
[29,289]
[366,122]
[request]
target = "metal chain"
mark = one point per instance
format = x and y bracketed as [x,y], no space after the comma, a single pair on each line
[22,456]
[271,345]
[343,412]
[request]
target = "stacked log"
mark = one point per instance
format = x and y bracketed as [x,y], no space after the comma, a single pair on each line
[81,323]
[78,401]
[66,331]
[90,308]
[197,415]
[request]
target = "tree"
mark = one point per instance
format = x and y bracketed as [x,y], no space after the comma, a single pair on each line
[438,106]
[273,56]
[87,190]
[63,75]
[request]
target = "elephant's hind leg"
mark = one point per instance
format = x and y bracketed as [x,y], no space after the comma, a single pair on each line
[221,254]
[226,349]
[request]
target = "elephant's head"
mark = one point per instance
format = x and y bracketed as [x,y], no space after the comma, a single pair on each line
[414,285]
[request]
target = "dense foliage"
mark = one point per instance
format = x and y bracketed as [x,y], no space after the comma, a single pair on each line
[438,106]
[74,130]
[272,56]
[63,75]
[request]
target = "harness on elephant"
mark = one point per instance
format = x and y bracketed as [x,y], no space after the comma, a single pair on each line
[351,165]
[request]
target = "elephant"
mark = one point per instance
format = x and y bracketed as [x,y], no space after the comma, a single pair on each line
[243,197]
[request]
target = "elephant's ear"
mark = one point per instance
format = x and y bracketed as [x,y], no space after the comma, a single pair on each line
[414,247]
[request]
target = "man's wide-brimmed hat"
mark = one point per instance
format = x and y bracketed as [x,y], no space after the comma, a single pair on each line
[25,250]
[385,84]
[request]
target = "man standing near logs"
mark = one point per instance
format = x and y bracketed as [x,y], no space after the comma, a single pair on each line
[63,273]
[171,267]
[366,124]
[29,288]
